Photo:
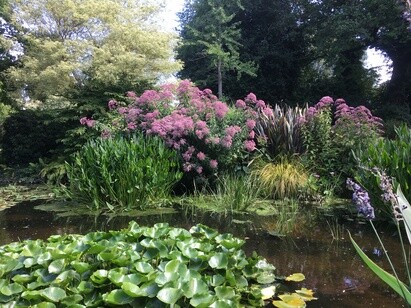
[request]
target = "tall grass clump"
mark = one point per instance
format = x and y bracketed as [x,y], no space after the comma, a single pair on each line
[123,173]
[283,178]
[229,193]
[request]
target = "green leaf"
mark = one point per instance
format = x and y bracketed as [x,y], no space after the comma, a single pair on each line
[56,266]
[53,294]
[143,267]
[169,295]
[117,297]
[133,290]
[219,260]
[44,305]
[99,276]
[10,289]
[195,287]
[202,300]
[389,279]
[223,292]
[80,267]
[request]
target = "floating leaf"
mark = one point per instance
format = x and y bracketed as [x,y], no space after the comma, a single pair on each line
[290,301]
[56,266]
[143,267]
[219,260]
[117,297]
[53,294]
[223,292]
[169,295]
[133,290]
[10,289]
[306,294]
[99,276]
[296,277]
[268,292]
[201,300]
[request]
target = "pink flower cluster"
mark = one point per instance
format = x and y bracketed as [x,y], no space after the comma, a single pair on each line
[193,122]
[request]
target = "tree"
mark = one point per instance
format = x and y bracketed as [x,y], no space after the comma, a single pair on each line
[341,31]
[210,33]
[74,45]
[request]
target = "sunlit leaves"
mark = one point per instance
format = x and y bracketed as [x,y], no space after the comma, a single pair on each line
[139,266]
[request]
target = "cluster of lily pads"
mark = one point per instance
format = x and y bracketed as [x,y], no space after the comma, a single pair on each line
[158,266]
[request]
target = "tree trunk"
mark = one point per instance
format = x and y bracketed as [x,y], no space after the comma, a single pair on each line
[219,79]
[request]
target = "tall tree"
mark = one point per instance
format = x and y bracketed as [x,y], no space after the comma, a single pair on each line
[209,32]
[342,30]
[75,44]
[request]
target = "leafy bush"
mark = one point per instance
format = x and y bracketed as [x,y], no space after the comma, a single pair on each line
[285,178]
[123,173]
[392,156]
[33,134]
[331,131]
[208,134]
[138,267]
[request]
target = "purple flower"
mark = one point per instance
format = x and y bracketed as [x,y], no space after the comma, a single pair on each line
[361,199]
[221,109]
[250,124]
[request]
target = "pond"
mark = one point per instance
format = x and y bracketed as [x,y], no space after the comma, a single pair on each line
[332,268]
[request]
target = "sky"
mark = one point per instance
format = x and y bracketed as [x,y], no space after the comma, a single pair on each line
[375,59]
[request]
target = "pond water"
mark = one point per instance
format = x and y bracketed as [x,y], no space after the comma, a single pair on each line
[332,268]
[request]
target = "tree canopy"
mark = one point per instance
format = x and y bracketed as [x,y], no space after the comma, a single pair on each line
[76,44]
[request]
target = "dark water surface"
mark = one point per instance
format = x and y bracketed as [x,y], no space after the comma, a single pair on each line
[332,268]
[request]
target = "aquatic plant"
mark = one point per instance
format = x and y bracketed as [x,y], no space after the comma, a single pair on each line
[123,173]
[391,155]
[141,267]
[402,212]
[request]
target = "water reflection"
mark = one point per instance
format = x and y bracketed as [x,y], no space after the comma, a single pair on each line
[332,268]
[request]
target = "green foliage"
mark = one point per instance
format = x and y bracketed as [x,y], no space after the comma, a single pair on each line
[284,178]
[390,155]
[136,267]
[123,173]
[320,153]
[32,134]
[73,45]
[281,130]
[211,33]
[235,192]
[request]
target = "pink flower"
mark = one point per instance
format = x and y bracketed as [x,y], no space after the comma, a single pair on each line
[201,124]
[131,126]
[240,104]
[227,142]
[105,134]
[249,145]
[112,104]
[201,156]
[250,124]
[251,97]
[187,167]
[131,94]
[260,104]
[199,169]
[90,123]
[187,156]
[251,135]
[83,120]
[232,130]
[221,109]
[213,164]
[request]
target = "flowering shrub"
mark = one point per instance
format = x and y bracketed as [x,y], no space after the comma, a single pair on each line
[208,134]
[331,131]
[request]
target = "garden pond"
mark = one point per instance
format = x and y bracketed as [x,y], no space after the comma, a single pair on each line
[321,251]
